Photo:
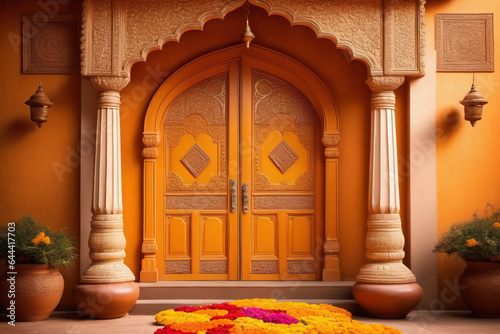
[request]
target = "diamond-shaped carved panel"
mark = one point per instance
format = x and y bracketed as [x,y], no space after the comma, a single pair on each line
[196,160]
[283,156]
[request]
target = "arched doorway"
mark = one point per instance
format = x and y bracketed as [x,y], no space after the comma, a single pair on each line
[136,28]
[238,187]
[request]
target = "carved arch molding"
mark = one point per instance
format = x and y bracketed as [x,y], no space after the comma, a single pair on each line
[387,35]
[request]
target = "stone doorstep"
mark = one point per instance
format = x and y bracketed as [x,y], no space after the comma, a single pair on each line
[156,297]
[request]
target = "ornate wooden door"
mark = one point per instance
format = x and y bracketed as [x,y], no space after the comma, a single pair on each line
[242,189]
[280,145]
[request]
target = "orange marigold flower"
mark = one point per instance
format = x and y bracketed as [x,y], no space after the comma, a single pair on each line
[46,240]
[471,242]
[38,238]
[497,224]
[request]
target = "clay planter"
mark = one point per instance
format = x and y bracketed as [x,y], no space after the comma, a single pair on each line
[480,288]
[38,290]
[105,301]
[387,301]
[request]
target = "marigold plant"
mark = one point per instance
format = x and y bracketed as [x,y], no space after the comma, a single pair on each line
[474,240]
[31,242]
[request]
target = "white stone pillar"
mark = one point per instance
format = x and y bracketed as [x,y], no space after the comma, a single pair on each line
[385,273]
[95,296]
[107,241]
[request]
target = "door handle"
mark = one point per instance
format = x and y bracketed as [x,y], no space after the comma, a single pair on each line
[245,197]
[232,189]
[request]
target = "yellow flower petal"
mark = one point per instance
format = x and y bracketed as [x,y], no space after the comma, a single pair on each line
[497,224]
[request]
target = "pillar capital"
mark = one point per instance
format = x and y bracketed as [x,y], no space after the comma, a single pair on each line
[330,139]
[151,140]
[386,83]
[331,143]
[108,83]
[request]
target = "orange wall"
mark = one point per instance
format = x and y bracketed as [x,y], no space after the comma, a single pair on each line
[468,162]
[344,80]
[28,181]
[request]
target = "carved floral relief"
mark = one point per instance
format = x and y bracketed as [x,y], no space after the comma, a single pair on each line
[118,33]
[51,45]
[465,42]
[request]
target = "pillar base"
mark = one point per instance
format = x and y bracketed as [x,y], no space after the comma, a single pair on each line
[387,301]
[386,273]
[107,272]
[105,301]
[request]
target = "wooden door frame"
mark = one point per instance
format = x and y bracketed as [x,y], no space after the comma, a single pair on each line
[298,75]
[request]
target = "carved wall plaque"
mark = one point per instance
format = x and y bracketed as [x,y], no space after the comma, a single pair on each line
[464,42]
[51,45]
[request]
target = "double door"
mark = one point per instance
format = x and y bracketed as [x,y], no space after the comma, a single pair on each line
[243,176]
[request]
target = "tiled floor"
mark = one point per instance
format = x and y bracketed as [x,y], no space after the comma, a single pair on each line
[417,322]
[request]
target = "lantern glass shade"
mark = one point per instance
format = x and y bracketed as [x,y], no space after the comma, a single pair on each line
[39,106]
[473,105]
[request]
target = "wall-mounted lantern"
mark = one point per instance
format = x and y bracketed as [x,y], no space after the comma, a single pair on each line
[39,106]
[473,105]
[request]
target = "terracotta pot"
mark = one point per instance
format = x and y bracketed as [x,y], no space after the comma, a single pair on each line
[387,301]
[480,288]
[38,290]
[105,301]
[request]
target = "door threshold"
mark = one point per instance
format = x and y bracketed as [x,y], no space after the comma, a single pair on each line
[242,284]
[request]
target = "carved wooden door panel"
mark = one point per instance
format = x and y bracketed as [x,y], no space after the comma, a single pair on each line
[280,148]
[200,231]
[242,197]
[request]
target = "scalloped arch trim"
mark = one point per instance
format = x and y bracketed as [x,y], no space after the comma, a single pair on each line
[115,35]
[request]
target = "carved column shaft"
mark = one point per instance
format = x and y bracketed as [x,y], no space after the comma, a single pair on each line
[106,240]
[331,269]
[149,271]
[384,238]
